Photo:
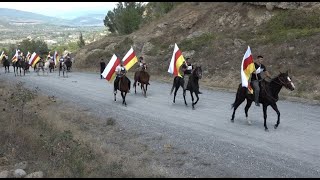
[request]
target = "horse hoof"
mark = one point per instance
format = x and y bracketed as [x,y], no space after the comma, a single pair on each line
[267,130]
[193,108]
[232,120]
[249,122]
[275,126]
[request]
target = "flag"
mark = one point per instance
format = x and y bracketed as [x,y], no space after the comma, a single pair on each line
[34,59]
[109,72]
[56,58]
[247,67]
[176,61]
[129,59]
[15,57]
[2,55]
[28,55]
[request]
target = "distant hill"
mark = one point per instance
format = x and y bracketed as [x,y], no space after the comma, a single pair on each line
[13,16]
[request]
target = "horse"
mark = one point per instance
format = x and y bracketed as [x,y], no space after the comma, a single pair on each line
[19,64]
[6,64]
[51,66]
[193,86]
[123,88]
[68,63]
[42,65]
[63,68]
[268,96]
[141,77]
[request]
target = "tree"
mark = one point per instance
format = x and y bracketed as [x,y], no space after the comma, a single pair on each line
[125,18]
[38,46]
[81,42]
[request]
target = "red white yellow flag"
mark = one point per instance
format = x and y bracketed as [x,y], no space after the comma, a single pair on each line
[2,55]
[176,61]
[34,59]
[109,72]
[129,59]
[15,57]
[56,58]
[247,67]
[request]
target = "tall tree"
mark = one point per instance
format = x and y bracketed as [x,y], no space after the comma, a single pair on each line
[125,18]
[81,42]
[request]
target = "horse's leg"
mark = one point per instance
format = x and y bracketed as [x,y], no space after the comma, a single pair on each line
[144,90]
[184,97]
[175,93]
[197,99]
[191,93]
[115,94]
[236,104]
[265,117]
[135,86]
[246,109]
[275,107]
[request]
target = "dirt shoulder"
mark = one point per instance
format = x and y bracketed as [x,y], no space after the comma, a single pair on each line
[64,141]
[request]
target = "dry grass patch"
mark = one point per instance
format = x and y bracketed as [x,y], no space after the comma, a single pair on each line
[62,141]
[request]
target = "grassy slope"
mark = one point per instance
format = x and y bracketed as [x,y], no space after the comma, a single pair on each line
[288,40]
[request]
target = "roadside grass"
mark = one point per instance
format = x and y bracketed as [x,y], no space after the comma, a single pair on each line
[63,141]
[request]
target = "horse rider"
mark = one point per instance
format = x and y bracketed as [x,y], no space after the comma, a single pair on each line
[120,71]
[256,78]
[187,69]
[142,64]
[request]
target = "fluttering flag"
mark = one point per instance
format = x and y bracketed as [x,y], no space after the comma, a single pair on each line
[247,67]
[129,59]
[34,59]
[176,61]
[109,72]
[2,55]
[15,57]
[28,55]
[56,58]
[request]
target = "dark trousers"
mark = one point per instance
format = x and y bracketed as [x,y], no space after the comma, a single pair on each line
[256,88]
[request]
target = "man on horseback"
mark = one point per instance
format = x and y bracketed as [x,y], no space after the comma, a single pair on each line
[142,64]
[187,69]
[120,71]
[256,78]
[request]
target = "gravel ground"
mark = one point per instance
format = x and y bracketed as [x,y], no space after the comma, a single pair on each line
[201,142]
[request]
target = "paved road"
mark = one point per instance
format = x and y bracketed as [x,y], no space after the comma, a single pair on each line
[203,142]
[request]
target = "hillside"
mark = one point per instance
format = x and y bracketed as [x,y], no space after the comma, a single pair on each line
[216,35]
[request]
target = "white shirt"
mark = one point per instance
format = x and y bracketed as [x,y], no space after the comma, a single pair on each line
[120,68]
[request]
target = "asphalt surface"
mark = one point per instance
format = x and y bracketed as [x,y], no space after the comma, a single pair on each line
[201,142]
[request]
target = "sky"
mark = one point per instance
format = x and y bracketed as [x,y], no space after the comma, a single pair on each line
[65,10]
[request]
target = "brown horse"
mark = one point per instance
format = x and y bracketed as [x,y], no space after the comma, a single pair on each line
[268,96]
[123,88]
[141,77]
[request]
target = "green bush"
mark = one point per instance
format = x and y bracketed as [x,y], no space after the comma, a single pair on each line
[290,24]
[196,43]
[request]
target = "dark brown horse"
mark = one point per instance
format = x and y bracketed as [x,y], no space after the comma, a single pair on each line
[141,77]
[123,88]
[268,96]
[6,64]
[193,85]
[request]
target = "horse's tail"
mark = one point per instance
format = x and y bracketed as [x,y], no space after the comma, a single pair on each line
[237,95]
[172,87]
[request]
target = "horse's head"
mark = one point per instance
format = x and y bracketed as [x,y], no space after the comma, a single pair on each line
[285,80]
[197,72]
